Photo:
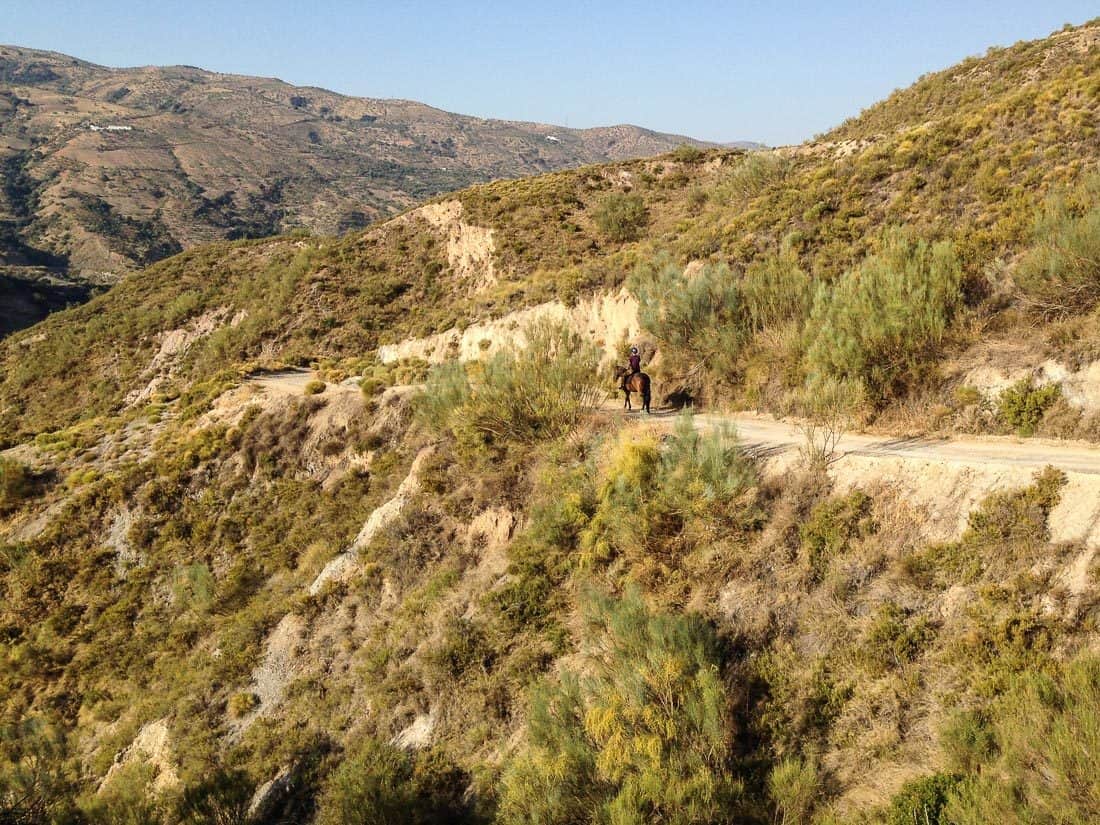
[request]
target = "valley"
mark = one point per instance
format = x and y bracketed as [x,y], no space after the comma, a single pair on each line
[338,529]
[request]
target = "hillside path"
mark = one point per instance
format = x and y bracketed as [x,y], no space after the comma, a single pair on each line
[766,436]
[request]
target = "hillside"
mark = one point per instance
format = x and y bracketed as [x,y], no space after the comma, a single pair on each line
[108,170]
[323,529]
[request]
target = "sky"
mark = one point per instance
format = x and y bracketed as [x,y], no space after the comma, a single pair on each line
[775,72]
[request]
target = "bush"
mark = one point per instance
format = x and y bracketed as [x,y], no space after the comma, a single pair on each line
[922,801]
[379,784]
[526,394]
[622,217]
[243,703]
[883,323]
[644,738]
[832,526]
[894,639]
[686,153]
[1046,756]
[37,783]
[794,787]
[1023,405]
[698,321]
[1061,272]
[15,484]
[751,176]
[314,387]
[654,504]
[776,290]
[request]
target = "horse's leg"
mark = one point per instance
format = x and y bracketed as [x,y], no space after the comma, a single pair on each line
[627,406]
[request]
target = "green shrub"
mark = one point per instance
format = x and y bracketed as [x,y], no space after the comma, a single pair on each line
[379,784]
[1022,405]
[883,322]
[1061,272]
[794,787]
[622,217]
[38,784]
[698,321]
[1045,763]
[241,704]
[1008,528]
[922,801]
[686,153]
[527,394]
[832,526]
[775,290]
[894,639]
[644,737]
[315,387]
[654,504]
[755,173]
[15,484]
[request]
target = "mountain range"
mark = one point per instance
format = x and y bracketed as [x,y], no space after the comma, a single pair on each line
[108,170]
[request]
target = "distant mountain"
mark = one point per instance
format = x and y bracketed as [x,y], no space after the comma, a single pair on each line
[108,170]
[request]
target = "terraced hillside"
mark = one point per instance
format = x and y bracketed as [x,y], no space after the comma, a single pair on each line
[321,530]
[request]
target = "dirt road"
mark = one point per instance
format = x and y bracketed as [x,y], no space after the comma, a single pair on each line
[765,435]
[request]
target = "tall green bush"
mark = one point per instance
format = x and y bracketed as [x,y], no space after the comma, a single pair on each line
[697,319]
[1061,271]
[524,394]
[776,290]
[883,322]
[649,495]
[642,736]
[1045,765]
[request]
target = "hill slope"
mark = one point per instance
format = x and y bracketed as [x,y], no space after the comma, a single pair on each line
[252,571]
[108,170]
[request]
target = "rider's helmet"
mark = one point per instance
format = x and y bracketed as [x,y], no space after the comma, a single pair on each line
[633,350]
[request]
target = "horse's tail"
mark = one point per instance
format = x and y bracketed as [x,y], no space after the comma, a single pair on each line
[645,392]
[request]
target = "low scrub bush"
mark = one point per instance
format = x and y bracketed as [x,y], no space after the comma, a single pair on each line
[15,484]
[1006,530]
[883,322]
[755,173]
[656,503]
[1023,405]
[922,801]
[831,528]
[644,736]
[794,786]
[315,387]
[1045,756]
[622,217]
[379,784]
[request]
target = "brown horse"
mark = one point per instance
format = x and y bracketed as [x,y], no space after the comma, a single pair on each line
[633,382]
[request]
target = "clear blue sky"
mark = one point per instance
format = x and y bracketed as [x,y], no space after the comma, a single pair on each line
[770,71]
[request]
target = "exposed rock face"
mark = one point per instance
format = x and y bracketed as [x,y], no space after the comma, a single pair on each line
[153,745]
[605,319]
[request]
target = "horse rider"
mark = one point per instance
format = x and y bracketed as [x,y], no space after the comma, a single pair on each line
[635,361]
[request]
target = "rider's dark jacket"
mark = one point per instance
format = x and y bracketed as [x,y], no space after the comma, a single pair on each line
[635,363]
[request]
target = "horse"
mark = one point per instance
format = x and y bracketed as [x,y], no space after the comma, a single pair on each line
[633,382]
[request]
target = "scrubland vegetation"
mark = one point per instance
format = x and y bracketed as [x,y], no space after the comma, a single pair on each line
[562,620]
